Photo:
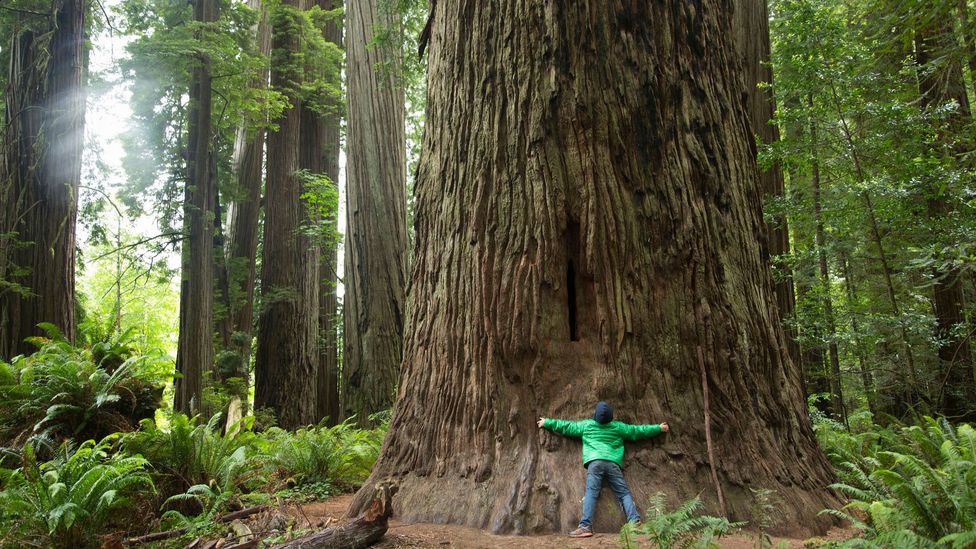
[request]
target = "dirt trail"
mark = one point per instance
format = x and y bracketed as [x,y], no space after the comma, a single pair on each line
[440,536]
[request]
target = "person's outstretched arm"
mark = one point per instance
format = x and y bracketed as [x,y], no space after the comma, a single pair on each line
[638,432]
[562,426]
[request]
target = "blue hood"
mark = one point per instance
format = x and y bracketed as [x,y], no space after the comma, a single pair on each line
[603,413]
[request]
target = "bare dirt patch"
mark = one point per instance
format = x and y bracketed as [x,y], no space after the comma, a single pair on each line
[442,536]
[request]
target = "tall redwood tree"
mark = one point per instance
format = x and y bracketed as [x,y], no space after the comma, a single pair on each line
[751,24]
[286,361]
[376,219]
[40,170]
[195,352]
[328,137]
[586,220]
[940,79]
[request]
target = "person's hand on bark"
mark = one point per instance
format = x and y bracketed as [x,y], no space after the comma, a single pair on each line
[541,422]
[664,427]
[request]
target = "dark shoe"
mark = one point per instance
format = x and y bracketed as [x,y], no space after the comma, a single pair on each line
[581,532]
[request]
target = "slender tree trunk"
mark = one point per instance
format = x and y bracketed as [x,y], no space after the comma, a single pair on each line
[941,82]
[328,379]
[43,138]
[820,236]
[286,362]
[376,231]
[815,379]
[916,390]
[916,395]
[243,216]
[867,379]
[969,39]
[319,154]
[195,353]
[751,24]
[581,228]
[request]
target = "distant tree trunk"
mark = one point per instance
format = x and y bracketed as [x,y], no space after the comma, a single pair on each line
[328,379]
[968,38]
[195,353]
[43,135]
[867,379]
[815,378]
[286,362]
[751,24]
[815,374]
[376,231]
[581,228]
[820,237]
[902,399]
[941,82]
[243,216]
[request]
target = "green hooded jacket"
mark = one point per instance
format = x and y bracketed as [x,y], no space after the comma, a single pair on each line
[602,440]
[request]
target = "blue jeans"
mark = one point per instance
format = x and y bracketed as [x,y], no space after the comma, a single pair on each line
[598,470]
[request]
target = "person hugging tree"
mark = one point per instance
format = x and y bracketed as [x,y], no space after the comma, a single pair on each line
[603,457]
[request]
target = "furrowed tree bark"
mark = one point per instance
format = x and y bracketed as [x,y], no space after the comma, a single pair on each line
[327,390]
[581,228]
[43,138]
[195,353]
[286,362]
[941,82]
[376,232]
[751,25]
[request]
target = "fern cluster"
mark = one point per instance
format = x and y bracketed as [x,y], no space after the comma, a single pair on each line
[61,392]
[908,486]
[341,455]
[70,500]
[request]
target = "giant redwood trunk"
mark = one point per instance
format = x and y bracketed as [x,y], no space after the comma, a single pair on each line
[43,133]
[376,219]
[586,220]
[195,352]
[286,360]
[751,25]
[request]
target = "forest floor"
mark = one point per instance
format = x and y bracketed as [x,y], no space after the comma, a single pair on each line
[442,536]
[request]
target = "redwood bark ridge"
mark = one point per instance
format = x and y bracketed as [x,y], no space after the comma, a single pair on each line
[623,119]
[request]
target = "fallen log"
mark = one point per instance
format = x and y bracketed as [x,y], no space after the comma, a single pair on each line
[157,536]
[362,532]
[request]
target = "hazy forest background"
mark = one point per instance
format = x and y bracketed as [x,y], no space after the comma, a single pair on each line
[244,242]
